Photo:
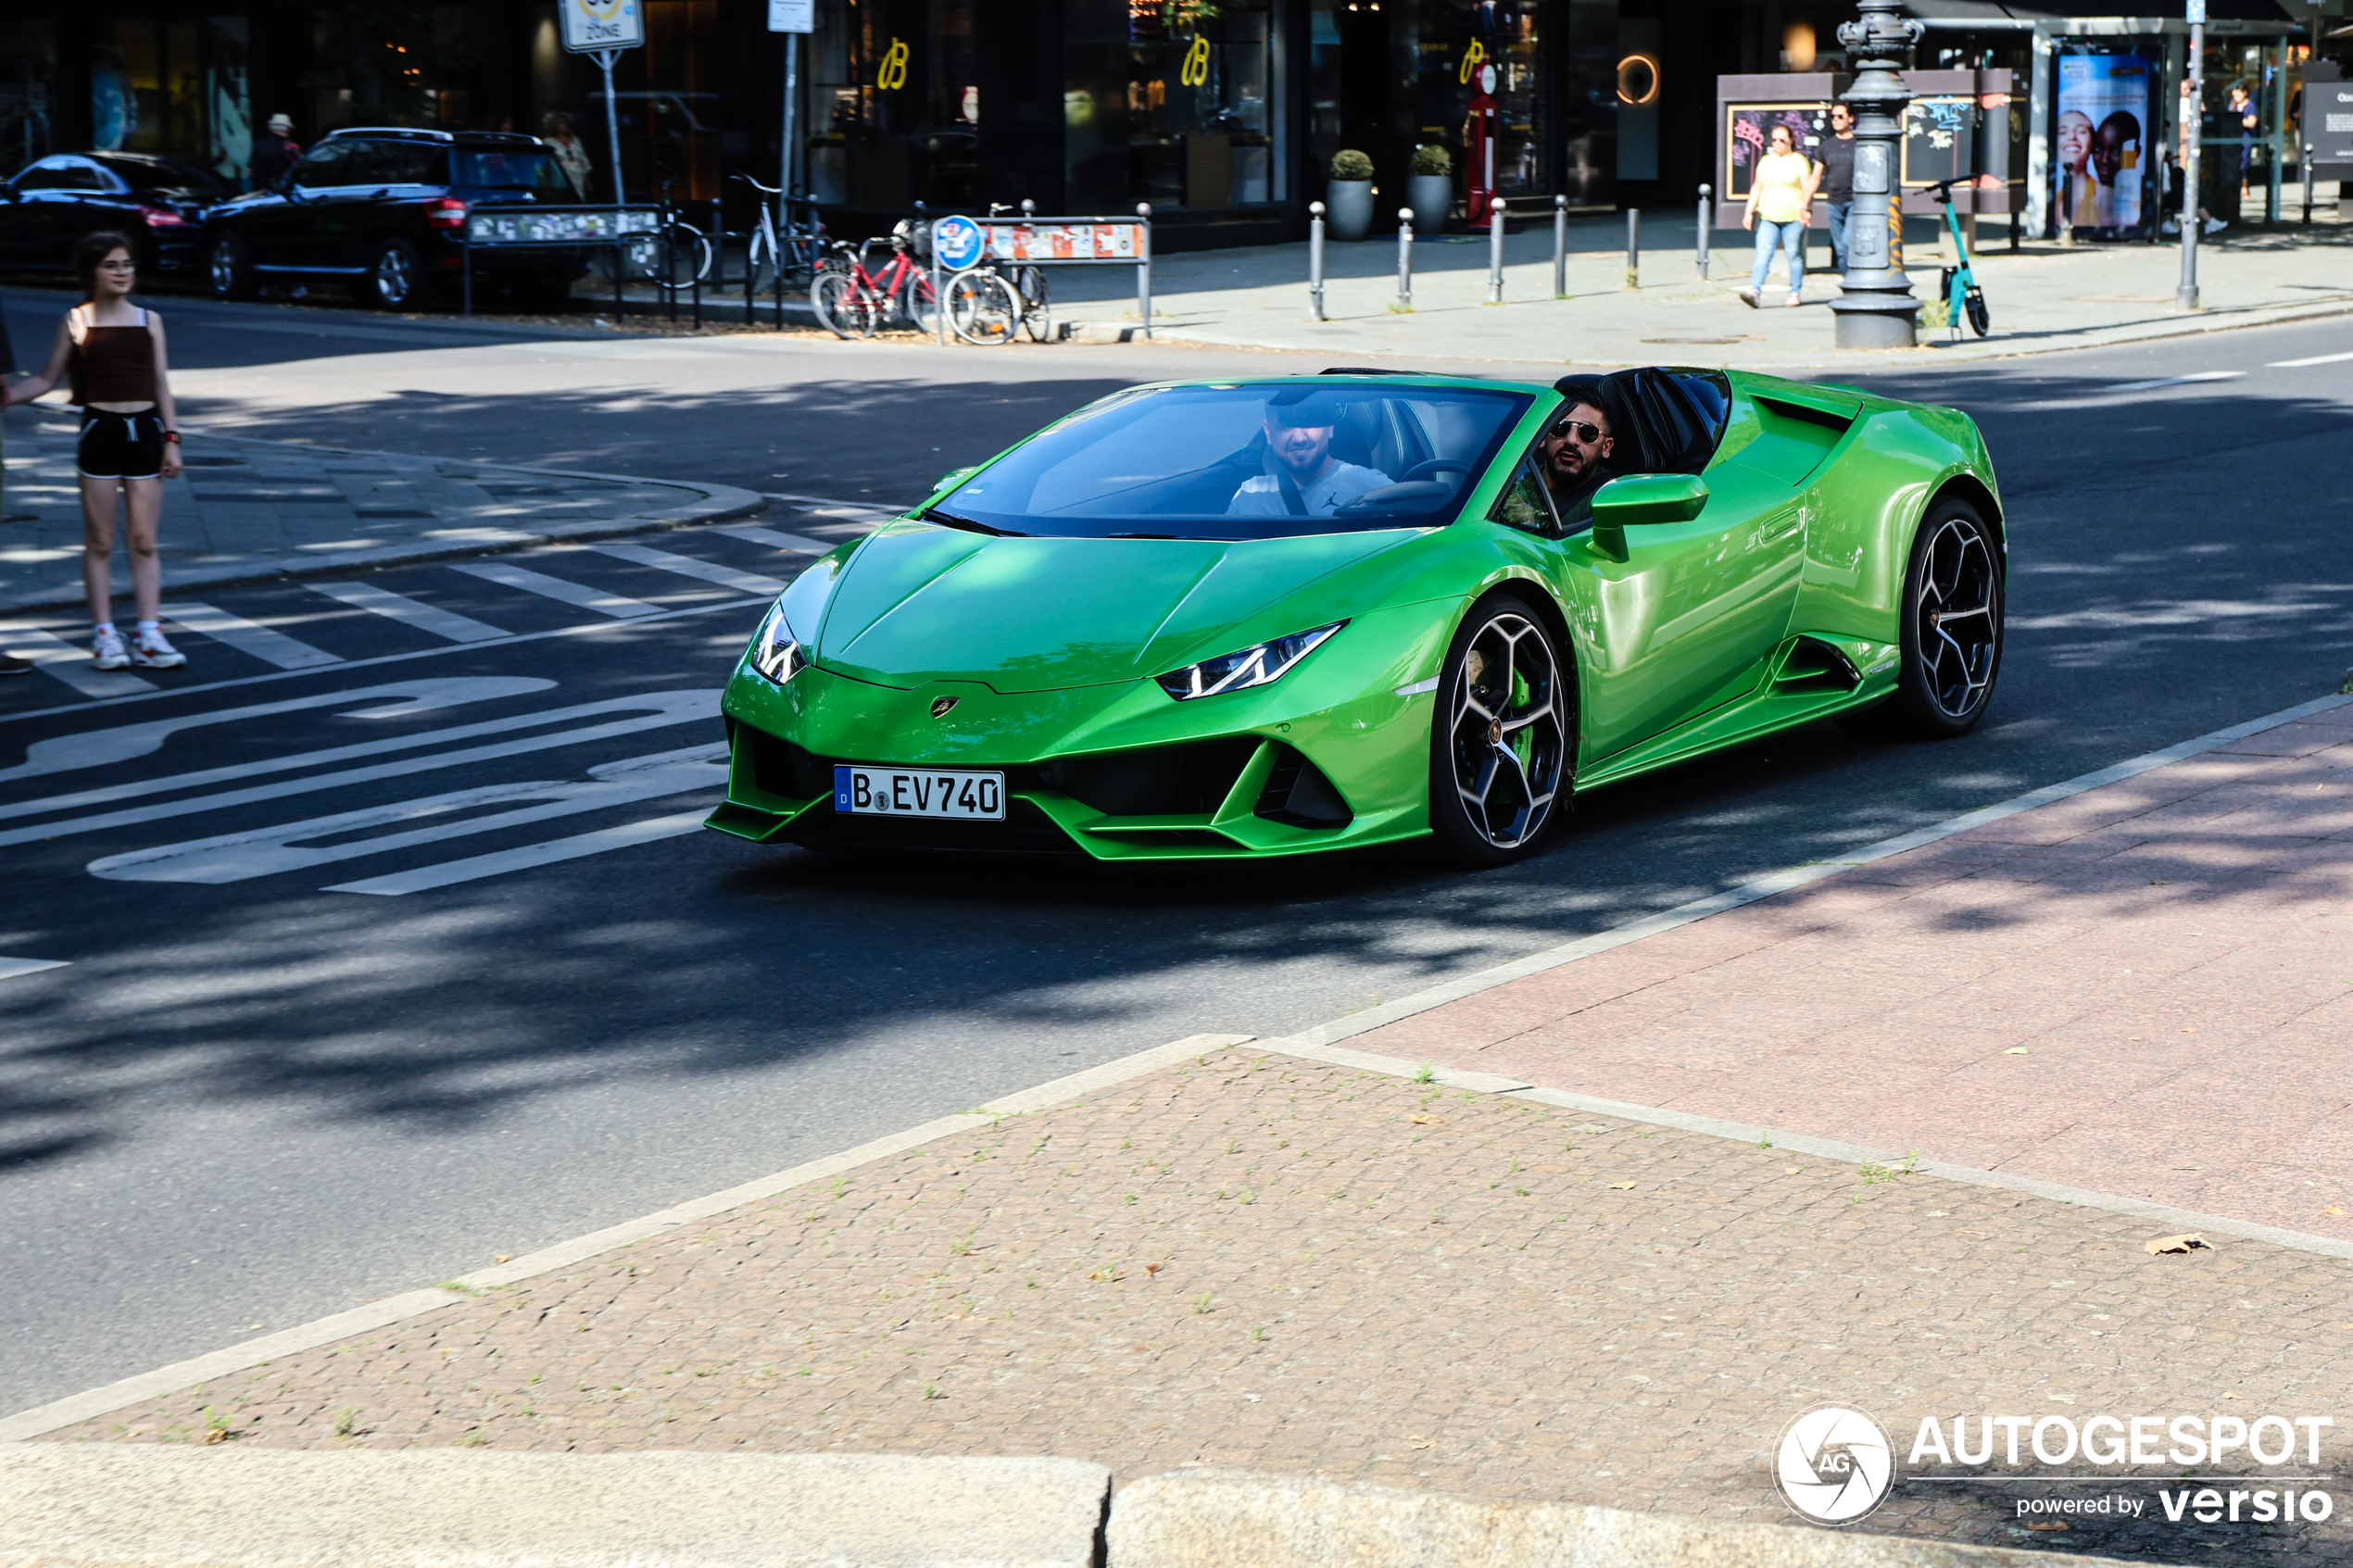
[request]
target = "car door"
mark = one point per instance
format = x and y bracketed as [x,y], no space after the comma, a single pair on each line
[1684,617]
[283,233]
[54,212]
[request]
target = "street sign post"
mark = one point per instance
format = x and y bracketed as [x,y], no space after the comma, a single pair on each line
[791,18]
[603,28]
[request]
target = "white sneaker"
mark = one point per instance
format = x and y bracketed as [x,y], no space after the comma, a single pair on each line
[106,650]
[2215,225]
[1796,299]
[2170,226]
[1748,297]
[149,651]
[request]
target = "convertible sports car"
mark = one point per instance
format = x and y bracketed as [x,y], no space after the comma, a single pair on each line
[1316,612]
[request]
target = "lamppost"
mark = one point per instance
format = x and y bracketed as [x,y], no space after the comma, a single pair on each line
[1876,309]
[2193,134]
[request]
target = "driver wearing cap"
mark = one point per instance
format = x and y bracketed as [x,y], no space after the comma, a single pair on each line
[1303,479]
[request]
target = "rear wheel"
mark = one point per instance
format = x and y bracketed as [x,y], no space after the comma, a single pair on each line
[1952,631]
[845,308]
[1978,316]
[1503,741]
[983,308]
[228,268]
[394,281]
[919,303]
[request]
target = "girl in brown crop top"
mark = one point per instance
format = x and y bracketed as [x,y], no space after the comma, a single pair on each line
[114,352]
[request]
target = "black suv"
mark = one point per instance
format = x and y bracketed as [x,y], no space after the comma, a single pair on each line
[384,210]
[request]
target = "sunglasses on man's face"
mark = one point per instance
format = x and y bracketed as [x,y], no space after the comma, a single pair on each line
[1582,431]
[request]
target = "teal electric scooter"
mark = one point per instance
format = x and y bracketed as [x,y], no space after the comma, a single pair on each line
[1958,284]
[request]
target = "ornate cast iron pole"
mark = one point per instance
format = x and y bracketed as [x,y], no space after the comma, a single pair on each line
[1876,309]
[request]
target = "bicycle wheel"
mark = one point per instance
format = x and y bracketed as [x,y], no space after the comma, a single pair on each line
[1036,310]
[1978,316]
[983,308]
[918,304]
[845,306]
[682,255]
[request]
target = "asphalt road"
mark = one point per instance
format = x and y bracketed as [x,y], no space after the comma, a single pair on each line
[252,1095]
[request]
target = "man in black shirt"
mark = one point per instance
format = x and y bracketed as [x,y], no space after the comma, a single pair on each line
[273,154]
[1833,184]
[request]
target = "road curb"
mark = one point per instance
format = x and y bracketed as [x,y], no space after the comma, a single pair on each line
[113,1504]
[712,503]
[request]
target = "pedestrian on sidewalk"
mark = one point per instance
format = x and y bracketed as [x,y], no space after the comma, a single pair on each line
[1834,181]
[114,352]
[272,153]
[1778,210]
[570,157]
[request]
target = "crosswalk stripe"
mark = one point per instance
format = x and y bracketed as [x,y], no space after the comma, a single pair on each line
[547,587]
[476,867]
[687,565]
[446,624]
[800,543]
[71,664]
[11,968]
[249,636]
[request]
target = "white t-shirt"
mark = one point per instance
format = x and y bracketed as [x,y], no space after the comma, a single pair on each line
[1341,483]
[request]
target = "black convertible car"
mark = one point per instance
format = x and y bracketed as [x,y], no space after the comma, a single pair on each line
[49,205]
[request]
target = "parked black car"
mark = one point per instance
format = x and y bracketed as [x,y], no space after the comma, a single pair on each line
[159,202]
[384,211]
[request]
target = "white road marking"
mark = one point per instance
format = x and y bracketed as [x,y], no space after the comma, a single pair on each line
[498,863]
[11,968]
[657,709]
[239,857]
[128,741]
[446,624]
[687,565]
[800,543]
[249,636]
[2172,381]
[69,663]
[2315,360]
[556,588]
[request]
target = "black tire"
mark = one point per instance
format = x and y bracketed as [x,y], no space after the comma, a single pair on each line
[396,281]
[1494,798]
[843,307]
[228,268]
[1952,631]
[1981,318]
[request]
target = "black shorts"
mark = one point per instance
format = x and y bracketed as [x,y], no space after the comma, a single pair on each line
[120,446]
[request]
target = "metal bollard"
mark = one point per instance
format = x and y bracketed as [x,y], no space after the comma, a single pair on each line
[1029,207]
[1144,269]
[2307,171]
[1405,259]
[1633,247]
[1560,247]
[1704,192]
[1495,251]
[1316,260]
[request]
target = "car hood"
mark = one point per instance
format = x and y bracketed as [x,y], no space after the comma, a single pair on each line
[917,603]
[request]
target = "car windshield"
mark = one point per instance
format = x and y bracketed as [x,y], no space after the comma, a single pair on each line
[1263,461]
[522,169]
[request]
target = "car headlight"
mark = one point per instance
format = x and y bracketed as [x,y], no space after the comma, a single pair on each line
[1250,667]
[776,652]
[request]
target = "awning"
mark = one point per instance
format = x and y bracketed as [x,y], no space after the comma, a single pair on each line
[2098,15]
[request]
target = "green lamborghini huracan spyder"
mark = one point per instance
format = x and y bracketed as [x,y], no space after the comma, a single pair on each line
[1317,612]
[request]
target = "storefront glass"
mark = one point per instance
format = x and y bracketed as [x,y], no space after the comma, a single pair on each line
[1456,39]
[1200,103]
[894,104]
[28,90]
[2244,148]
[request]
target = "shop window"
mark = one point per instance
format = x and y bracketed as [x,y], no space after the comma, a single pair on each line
[894,105]
[28,85]
[1200,103]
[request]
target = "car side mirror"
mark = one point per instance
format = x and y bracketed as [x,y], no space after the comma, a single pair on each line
[1641,498]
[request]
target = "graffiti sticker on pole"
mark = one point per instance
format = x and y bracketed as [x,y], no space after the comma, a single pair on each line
[591,25]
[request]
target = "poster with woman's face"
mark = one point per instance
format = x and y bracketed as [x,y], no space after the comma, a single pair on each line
[2102,161]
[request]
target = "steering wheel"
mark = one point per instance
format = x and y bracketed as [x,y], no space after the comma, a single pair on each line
[1435,465]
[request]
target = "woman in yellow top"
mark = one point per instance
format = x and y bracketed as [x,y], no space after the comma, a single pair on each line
[1778,208]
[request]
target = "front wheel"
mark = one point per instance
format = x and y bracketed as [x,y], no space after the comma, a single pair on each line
[1952,631]
[1980,319]
[395,282]
[1502,740]
[919,303]
[683,256]
[846,309]
[228,268]
[983,308]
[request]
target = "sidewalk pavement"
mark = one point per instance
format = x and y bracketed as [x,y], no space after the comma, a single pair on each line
[2044,297]
[250,509]
[1613,1288]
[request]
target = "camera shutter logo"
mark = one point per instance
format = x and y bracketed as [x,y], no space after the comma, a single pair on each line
[1834,1465]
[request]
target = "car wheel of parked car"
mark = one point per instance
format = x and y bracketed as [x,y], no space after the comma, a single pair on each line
[1502,740]
[229,270]
[395,282]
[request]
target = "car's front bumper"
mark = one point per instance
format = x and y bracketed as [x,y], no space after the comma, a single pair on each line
[1330,756]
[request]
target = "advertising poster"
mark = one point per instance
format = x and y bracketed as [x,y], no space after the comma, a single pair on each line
[2101,154]
[1746,128]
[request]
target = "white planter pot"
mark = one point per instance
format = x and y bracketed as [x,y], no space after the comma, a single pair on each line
[1348,208]
[1432,198]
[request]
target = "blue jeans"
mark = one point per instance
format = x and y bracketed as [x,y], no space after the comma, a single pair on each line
[1789,237]
[1837,213]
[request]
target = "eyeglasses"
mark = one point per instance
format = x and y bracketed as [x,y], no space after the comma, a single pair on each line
[117,266]
[1587,432]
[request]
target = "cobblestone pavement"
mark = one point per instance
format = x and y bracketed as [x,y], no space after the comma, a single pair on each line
[2144,990]
[1285,1265]
[250,508]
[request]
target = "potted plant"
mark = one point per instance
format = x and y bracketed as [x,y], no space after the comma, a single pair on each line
[1348,200]
[1430,190]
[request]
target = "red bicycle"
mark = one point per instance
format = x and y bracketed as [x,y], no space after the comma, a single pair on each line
[853,299]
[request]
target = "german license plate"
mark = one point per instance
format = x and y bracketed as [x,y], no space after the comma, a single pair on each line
[961,795]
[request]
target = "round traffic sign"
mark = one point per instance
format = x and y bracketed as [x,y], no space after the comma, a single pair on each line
[958,242]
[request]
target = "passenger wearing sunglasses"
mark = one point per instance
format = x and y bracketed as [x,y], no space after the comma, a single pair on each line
[1575,453]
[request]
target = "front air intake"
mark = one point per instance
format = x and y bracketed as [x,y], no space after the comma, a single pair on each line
[1297,793]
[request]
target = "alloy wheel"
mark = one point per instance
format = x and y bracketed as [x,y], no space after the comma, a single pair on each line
[224,266]
[1959,636]
[1505,731]
[396,277]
